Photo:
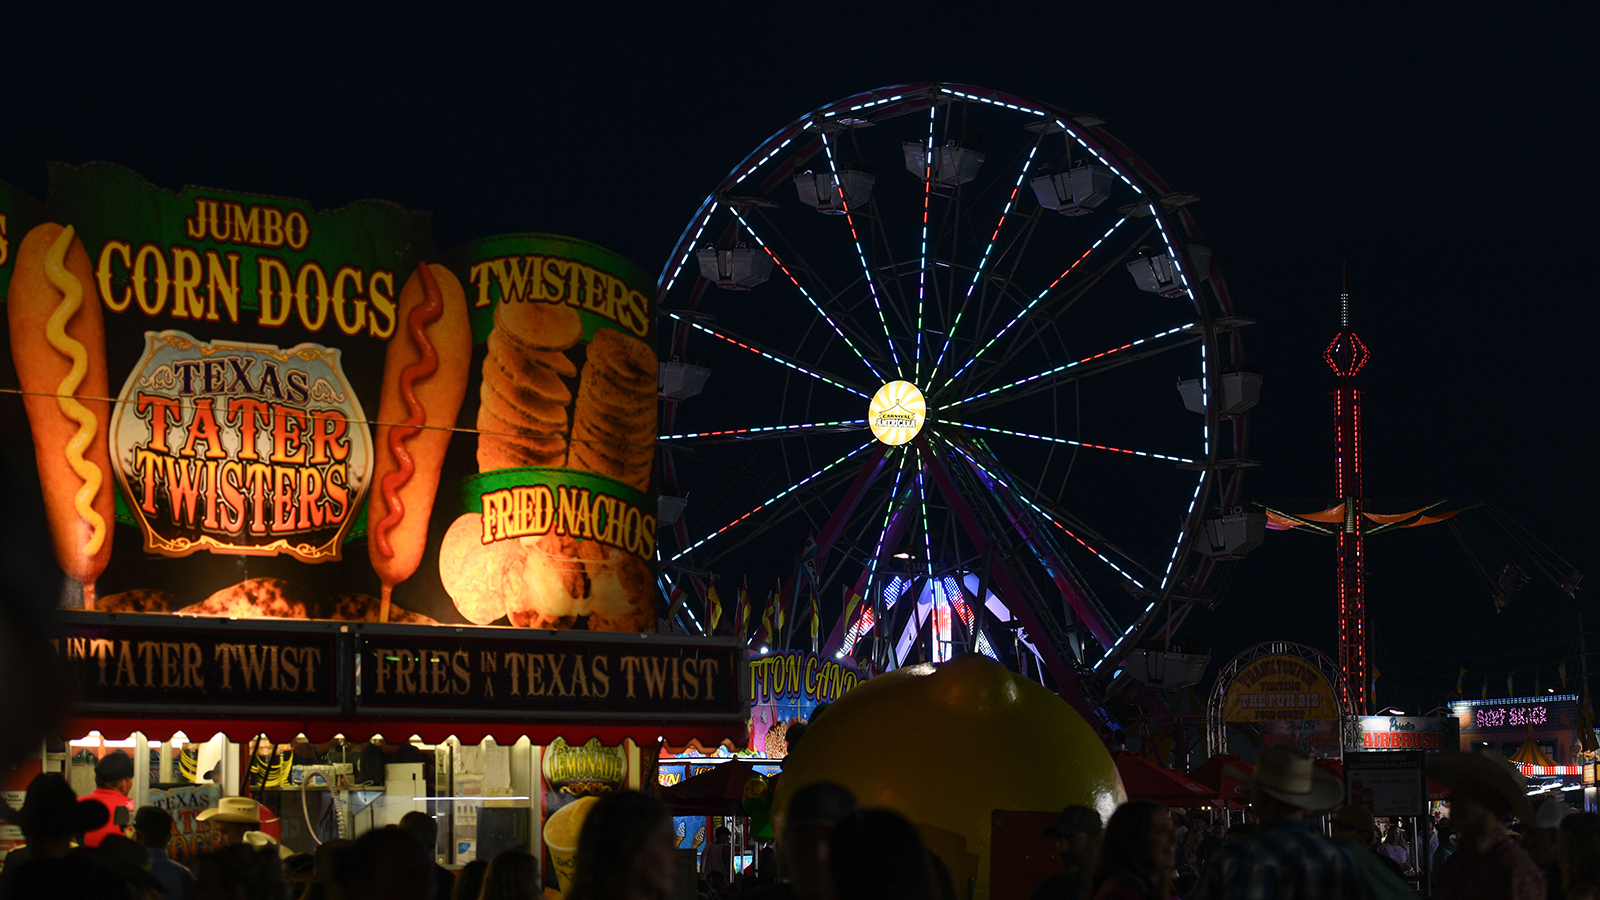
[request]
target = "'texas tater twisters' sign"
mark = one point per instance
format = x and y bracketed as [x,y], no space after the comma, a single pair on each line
[242,448]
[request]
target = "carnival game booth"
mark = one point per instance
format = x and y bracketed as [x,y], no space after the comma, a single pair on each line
[339,728]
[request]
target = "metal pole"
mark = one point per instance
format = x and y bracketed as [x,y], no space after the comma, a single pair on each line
[1583,660]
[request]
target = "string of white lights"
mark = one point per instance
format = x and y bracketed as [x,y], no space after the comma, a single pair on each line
[866,270]
[807,295]
[773,499]
[1033,303]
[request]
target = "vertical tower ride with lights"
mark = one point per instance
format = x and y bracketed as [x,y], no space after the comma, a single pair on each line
[1346,355]
[1352,518]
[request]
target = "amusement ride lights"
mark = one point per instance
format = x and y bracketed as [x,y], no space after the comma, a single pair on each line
[872,282]
[977,272]
[927,204]
[949,390]
[1025,310]
[1345,355]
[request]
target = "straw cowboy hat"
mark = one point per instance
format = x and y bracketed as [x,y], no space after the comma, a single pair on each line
[242,810]
[1492,771]
[1289,775]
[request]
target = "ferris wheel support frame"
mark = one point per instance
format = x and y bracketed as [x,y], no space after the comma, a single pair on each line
[1070,683]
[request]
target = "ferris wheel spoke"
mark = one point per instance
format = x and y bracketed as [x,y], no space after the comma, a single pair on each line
[927,204]
[1079,368]
[1080,533]
[1058,308]
[807,295]
[888,514]
[763,352]
[802,507]
[773,499]
[770,430]
[988,250]
[1031,304]
[855,237]
[1072,443]
[1177,545]
[800,268]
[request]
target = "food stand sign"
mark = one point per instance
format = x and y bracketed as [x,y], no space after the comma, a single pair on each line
[1432,733]
[242,406]
[1279,688]
[115,665]
[472,670]
[785,688]
[1314,737]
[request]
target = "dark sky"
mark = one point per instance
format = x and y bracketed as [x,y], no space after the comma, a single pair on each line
[1448,157]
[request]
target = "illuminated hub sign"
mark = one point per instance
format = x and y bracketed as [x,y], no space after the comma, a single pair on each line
[896,412]
[1510,716]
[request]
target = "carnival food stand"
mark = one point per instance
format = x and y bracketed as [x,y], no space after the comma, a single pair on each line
[345,522]
[355,725]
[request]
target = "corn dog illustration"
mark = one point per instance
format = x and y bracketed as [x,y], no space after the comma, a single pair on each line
[424,382]
[58,345]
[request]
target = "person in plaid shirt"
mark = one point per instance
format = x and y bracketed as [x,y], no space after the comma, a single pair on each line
[1284,859]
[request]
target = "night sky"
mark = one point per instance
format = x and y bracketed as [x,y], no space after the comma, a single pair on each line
[1447,158]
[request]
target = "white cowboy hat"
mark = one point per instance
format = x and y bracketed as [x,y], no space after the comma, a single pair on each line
[1289,775]
[260,841]
[242,810]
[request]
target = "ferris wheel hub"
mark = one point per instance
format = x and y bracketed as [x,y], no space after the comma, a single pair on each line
[897,412]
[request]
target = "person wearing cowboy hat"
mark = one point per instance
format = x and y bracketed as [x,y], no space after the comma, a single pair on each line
[237,820]
[1353,828]
[1284,858]
[1485,790]
[49,866]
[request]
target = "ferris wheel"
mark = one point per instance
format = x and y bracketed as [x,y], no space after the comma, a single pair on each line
[942,327]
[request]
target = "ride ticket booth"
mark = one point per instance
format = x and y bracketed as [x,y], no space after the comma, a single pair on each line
[339,728]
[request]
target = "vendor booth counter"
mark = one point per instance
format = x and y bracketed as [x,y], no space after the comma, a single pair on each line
[337,728]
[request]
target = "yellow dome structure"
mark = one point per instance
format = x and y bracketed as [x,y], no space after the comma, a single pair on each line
[946,745]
